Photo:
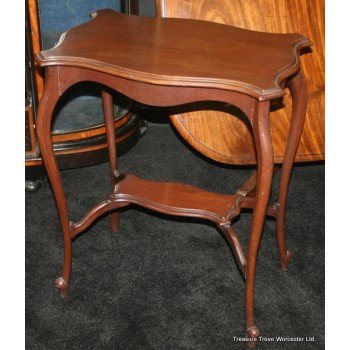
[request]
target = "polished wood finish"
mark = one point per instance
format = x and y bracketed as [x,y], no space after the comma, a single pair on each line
[200,126]
[263,142]
[155,62]
[172,199]
[51,95]
[299,96]
[176,199]
[163,77]
[108,112]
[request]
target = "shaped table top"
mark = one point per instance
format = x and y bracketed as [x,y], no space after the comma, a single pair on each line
[180,52]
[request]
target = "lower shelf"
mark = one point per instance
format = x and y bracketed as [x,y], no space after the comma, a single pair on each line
[165,197]
[175,199]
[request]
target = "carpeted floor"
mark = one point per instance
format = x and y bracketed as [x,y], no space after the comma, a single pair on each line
[165,283]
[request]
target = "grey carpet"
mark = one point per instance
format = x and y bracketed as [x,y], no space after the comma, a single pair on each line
[165,283]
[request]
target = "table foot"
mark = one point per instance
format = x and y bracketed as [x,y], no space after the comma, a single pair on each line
[253,334]
[285,260]
[62,286]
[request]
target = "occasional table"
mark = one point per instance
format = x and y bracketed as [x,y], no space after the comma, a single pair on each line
[169,62]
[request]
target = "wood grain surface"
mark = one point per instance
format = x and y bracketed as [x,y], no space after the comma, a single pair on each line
[175,199]
[179,52]
[214,132]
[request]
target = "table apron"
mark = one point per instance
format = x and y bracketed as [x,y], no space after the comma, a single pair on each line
[152,94]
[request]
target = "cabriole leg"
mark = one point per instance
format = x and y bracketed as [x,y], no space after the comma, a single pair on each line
[264,150]
[298,90]
[43,129]
[108,112]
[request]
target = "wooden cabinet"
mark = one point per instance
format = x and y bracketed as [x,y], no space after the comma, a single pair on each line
[78,130]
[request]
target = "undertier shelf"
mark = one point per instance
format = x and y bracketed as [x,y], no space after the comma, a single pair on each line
[175,199]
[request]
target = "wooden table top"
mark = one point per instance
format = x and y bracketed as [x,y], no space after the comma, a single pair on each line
[180,52]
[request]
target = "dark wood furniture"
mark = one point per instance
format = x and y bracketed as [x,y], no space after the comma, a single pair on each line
[79,143]
[201,126]
[179,62]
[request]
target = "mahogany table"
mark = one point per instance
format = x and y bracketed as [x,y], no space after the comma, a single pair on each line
[168,62]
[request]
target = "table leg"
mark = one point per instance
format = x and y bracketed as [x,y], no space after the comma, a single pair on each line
[108,112]
[264,150]
[236,247]
[298,90]
[43,128]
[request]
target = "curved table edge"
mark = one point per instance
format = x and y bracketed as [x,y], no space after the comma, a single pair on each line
[199,82]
